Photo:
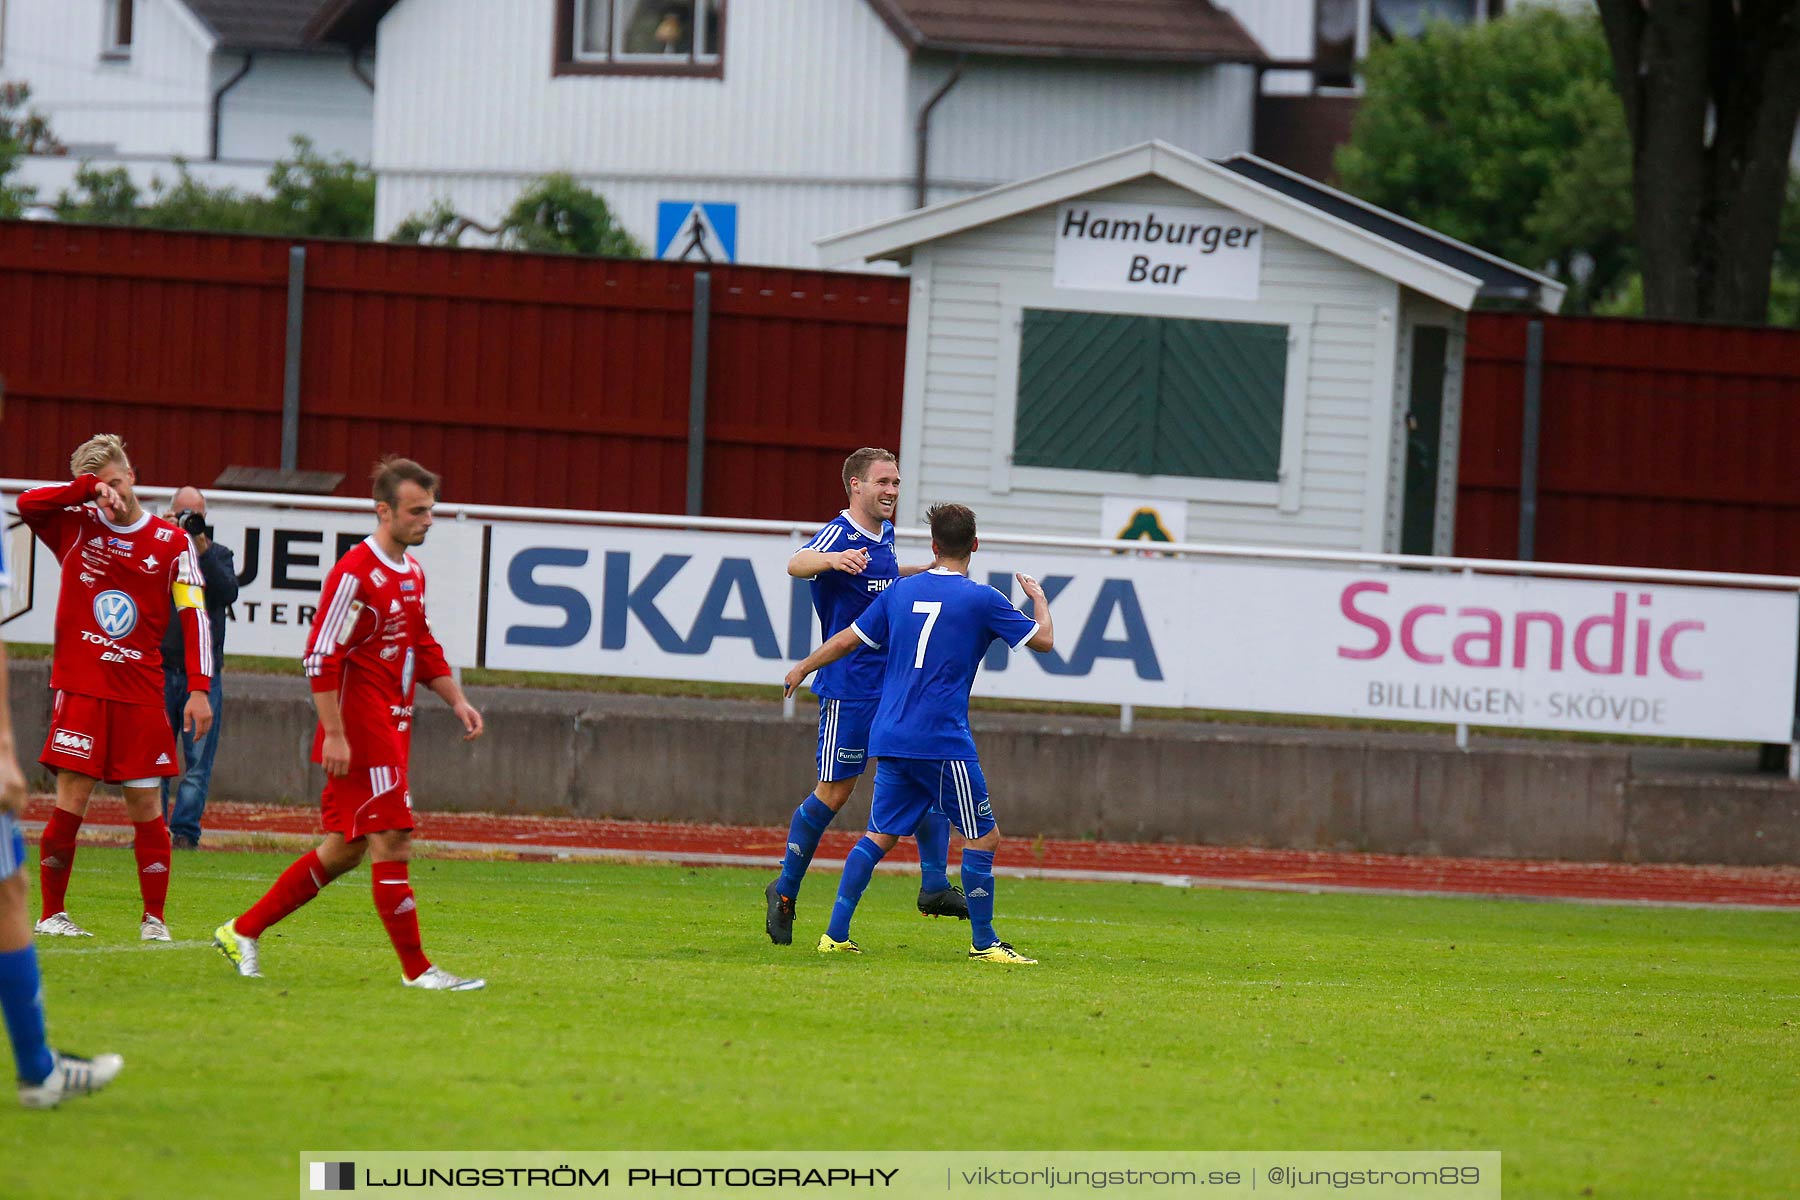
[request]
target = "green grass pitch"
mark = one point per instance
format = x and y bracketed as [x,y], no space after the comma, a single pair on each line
[1635,1052]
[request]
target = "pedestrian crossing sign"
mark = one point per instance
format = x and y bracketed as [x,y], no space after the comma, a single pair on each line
[694,231]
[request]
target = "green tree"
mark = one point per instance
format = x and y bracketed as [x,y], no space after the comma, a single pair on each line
[1504,135]
[312,196]
[439,225]
[1784,283]
[1711,97]
[555,215]
[308,196]
[23,131]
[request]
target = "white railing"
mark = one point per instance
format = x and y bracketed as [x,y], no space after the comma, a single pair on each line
[1162,567]
[1418,562]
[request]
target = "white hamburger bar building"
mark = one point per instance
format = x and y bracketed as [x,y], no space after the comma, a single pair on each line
[1253,357]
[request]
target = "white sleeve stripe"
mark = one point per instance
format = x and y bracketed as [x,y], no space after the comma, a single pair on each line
[203,626]
[1029,634]
[189,566]
[326,634]
[827,537]
[868,641]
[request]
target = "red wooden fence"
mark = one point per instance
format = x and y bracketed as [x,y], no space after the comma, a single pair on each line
[563,382]
[1661,444]
[524,379]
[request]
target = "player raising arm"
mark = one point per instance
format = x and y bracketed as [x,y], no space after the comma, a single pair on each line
[45,1076]
[370,643]
[850,561]
[120,568]
[935,627]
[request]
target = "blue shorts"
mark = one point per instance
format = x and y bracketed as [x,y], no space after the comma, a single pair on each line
[908,788]
[12,845]
[844,737]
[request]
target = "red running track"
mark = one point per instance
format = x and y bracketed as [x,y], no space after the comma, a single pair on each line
[544,837]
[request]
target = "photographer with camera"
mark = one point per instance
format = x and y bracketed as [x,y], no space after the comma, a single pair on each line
[184,797]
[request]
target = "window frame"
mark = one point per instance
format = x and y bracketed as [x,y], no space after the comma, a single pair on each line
[1485,11]
[569,59]
[1283,494]
[117,15]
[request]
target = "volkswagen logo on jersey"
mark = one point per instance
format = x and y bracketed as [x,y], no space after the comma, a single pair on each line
[115,613]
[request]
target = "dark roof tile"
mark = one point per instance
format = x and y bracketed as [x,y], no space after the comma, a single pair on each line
[1158,30]
[1169,30]
[258,24]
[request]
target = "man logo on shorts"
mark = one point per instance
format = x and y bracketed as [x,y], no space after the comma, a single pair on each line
[115,613]
[70,742]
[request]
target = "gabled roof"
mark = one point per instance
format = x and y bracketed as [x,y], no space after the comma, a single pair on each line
[1426,262]
[1159,30]
[1501,281]
[1148,30]
[257,24]
[350,22]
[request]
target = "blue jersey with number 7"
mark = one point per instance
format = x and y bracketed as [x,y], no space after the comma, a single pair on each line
[936,627]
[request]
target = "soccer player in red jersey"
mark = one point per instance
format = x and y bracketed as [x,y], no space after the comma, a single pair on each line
[370,644]
[120,566]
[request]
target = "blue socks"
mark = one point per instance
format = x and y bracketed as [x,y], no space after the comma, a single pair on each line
[978,887]
[933,837]
[809,823]
[22,998]
[858,868]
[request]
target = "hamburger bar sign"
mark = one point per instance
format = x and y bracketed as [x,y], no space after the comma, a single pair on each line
[1158,250]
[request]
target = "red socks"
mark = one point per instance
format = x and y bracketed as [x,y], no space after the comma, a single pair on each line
[298,884]
[394,904]
[150,842]
[56,857]
[399,912]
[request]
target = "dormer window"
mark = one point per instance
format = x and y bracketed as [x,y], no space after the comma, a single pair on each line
[640,37]
[116,36]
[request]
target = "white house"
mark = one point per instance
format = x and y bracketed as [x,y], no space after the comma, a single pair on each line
[1229,347]
[800,117]
[222,84]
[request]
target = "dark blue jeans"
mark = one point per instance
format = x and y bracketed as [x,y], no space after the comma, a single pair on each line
[191,785]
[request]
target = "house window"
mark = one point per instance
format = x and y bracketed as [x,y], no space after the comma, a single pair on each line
[116,42]
[1390,19]
[1150,395]
[640,37]
[1339,37]
[1335,25]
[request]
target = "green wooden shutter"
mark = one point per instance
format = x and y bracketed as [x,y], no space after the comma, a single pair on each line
[1219,399]
[1150,395]
[1087,391]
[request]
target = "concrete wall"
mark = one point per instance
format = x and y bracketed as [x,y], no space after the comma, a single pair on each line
[741,763]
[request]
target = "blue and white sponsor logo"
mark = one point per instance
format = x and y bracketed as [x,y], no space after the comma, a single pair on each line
[115,613]
[851,757]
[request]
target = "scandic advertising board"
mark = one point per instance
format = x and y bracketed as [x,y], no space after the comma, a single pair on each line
[1400,645]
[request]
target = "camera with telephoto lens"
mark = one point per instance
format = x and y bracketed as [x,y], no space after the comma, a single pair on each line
[194,523]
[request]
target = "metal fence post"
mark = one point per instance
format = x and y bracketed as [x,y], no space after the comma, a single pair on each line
[696,462]
[1529,440]
[290,386]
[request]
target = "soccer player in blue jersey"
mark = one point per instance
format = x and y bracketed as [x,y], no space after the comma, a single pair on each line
[851,561]
[45,1076]
[935,627]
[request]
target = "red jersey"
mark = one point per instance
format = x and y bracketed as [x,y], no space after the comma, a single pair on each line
[117,581]
[370,643]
